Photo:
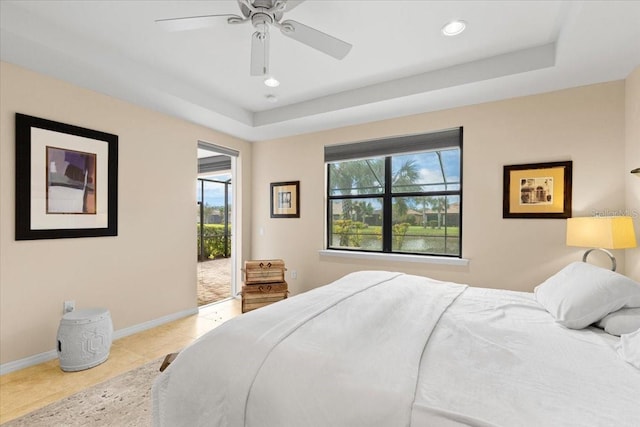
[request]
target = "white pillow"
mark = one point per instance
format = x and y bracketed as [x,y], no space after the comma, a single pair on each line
[629,348]
[623,321]
[581,294]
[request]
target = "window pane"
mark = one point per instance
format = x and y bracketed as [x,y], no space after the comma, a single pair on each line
[429,225]
[357,177]
[356,224]
[428,171]
[451,165]
[421,195]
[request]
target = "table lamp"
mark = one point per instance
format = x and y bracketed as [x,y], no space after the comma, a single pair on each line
[601,233]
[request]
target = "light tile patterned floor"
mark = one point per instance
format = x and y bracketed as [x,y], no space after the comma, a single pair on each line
[32,388]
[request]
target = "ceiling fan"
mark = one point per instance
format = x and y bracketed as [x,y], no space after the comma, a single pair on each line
[262,14]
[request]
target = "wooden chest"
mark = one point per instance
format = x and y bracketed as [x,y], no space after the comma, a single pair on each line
[263,271]
[256,296]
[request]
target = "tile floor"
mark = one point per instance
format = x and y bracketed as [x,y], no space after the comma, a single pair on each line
[32,388]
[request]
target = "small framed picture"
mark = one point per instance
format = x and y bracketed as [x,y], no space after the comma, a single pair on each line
[285,199]
[66,180]
[537,190]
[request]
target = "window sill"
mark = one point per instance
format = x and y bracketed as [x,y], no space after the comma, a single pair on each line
[425,259]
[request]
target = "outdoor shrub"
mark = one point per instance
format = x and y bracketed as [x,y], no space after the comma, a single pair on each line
[348,231]
[214,241]
[399,231]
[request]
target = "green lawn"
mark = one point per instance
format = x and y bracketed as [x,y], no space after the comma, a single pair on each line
[414,230]
[417,230]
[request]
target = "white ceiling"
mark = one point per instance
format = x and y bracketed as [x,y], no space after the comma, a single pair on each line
[400,62]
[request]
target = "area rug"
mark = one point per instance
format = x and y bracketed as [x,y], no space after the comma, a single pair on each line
[121,401]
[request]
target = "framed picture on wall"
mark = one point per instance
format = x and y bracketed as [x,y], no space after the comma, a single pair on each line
[66,180]
[285,199]
[537,190]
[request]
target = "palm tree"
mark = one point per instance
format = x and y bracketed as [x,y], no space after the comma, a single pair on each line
[367,176]
[424,201]
[404,179]
[357,210]
[440,204]
[406,175]
[367,211]
[354,177]
[361,210]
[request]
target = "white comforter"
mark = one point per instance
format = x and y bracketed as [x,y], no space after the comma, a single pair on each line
[388,349]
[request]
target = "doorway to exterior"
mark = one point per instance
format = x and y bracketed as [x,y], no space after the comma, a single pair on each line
[214,225]
[214,239]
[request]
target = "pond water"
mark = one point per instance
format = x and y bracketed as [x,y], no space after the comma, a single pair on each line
[417,244]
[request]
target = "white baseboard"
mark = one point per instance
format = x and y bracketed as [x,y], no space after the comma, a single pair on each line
[121,333]
[36,359]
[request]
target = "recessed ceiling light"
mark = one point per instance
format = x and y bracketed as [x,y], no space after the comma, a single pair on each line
[454,28]
[272,98]
[271,82]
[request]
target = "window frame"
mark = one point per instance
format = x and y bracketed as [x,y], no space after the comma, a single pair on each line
[424,143]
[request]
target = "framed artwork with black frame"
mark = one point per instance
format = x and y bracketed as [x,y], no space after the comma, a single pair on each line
[537,190]
[66,180]
[285,199]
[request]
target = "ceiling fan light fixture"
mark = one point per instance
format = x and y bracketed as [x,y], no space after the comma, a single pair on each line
[454,28]
[262,14]
[271,82]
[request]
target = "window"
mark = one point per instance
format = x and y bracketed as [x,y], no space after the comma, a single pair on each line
[396,195]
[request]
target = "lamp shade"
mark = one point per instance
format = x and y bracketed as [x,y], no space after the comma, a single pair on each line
[607,232]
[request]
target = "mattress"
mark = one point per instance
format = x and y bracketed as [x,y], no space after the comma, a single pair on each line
[391,349]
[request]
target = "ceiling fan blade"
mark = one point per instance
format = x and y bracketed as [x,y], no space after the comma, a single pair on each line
[291,4]
[315,38]
[260,54]
[192,22]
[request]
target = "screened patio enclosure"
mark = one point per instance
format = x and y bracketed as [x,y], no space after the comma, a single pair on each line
[214,228]
[214,218]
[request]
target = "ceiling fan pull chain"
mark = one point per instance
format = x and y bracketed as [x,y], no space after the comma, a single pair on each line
[265,46]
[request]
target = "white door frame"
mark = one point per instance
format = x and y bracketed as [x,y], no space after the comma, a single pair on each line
[235,215]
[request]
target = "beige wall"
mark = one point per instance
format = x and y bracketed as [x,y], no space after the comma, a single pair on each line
[584,124]
[632,157]
[142,275]
[149,270]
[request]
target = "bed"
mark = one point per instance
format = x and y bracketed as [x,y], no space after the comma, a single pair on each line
[379,348]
